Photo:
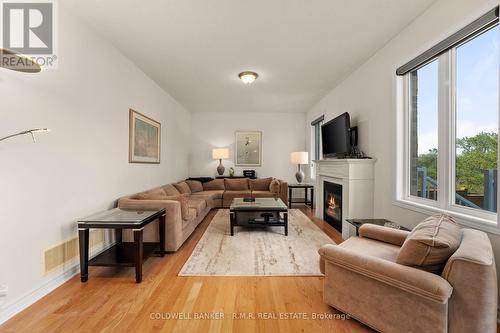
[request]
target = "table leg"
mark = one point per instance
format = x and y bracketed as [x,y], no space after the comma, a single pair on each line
[231,219]
[161,224]
[83,235]
[138,253]
[285,217]
[312,197]
[118,235]
[290,197]
[305,195]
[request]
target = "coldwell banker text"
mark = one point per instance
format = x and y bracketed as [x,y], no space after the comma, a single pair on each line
[247,316]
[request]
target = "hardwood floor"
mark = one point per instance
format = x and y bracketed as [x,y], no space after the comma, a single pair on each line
[112,301]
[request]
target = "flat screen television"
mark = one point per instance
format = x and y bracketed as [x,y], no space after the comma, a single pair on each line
[336,138]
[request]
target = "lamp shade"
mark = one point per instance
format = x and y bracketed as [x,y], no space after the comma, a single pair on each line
[299,157]
[220,153]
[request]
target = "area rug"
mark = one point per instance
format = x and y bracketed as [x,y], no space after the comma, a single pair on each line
[257,252]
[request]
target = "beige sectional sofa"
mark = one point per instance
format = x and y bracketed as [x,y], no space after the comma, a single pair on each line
[188,202]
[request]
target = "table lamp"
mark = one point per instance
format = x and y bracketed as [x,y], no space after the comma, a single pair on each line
[220,154]
[299,157]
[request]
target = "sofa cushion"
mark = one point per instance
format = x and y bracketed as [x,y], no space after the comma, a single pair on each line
[170,189]
[215,194]
[275,186]
[190,216]
[240,184]
[194,185]
[183,187]
[371,247]
[431,243]
[198,203]
[216,184]
[183,200]
[154,194]
[263,194]
[228,196]
[260,184]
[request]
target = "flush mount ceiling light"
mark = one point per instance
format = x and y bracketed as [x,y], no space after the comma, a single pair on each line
[248,77]
[17,62]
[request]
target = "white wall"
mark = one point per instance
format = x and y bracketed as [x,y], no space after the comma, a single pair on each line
[81,166]
[282,133]
[368,94]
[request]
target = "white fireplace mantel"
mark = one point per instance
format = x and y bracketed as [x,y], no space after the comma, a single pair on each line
[357,179]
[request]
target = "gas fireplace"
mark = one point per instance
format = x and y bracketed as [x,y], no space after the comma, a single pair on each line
[332,211]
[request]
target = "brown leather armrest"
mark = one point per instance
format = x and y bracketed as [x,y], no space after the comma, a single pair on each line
[408,279]
[284,192]
[171,206]
[383,234]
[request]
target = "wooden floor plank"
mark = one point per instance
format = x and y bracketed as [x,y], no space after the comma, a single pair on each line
[112,301]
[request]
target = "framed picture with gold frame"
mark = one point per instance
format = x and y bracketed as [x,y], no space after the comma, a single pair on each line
[248,148]
[144,139]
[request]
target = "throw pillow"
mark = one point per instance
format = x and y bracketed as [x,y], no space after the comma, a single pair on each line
[183,187]
[194,185]
[275,187]
[214,185]
[431,243]
[155,194]
[236,184]
[260,184]
[170,190]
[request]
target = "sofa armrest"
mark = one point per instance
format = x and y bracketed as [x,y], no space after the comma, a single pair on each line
[405,278]
[383,234]
[284,191]
[173,218]
[172,207]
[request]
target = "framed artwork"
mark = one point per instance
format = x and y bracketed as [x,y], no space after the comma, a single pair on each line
[248,148]
[144,139]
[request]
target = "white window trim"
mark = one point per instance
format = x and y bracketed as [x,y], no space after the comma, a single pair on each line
[469,217]
[313,147]
[312,166]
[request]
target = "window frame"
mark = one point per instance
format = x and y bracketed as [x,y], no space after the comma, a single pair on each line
[315,143]
[447,123]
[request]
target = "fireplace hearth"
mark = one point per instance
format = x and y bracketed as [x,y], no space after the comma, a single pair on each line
[332,204]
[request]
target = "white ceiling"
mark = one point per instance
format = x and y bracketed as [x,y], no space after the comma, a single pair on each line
[301,49]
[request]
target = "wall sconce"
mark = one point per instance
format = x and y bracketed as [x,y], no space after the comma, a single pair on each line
[17,62]
[31,131]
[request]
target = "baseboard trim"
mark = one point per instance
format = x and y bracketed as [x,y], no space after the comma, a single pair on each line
[14,307]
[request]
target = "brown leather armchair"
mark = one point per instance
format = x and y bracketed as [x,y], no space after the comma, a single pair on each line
[363,279]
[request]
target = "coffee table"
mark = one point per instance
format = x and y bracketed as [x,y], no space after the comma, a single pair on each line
[271,210]
[121,254]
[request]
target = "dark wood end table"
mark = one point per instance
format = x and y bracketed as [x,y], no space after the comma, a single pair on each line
[271,209]
[121,254]
[357,223]
[306,188]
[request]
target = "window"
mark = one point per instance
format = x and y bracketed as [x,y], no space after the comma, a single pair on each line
[476,127]
[449,115]
[424,131]
[316,141]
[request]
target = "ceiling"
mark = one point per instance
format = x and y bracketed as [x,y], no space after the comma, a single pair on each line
[194,49]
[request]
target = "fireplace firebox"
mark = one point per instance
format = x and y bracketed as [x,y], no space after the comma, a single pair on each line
[332,204]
